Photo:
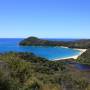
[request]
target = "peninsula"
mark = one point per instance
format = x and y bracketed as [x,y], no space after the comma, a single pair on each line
[34,41]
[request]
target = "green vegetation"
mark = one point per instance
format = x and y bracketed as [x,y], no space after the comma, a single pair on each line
[84,58]
[34,41]
[25,71]
[85,43]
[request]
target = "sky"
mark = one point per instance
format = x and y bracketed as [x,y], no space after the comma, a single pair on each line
[45,18]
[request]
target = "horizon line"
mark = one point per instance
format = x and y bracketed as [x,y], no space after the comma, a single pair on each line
[40,37]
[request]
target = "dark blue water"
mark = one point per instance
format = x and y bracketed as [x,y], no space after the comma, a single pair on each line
[79,66]
[82,66]
[50,53]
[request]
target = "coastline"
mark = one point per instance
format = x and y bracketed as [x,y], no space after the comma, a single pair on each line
[74,56]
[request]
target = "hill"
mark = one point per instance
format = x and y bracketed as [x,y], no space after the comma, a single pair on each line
[34,41]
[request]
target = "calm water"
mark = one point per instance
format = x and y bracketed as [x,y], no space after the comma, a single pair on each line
[50,53]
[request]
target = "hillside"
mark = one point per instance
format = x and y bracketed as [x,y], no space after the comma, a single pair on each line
[84,43]
[84,58]
[25,71]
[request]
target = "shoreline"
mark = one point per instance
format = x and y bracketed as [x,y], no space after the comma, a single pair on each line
[74,56]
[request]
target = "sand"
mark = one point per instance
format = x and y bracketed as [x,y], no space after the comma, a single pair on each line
[75,56]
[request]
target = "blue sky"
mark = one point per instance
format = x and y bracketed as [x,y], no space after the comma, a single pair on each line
[45,18]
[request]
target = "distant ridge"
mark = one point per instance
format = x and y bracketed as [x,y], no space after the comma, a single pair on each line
[34,41]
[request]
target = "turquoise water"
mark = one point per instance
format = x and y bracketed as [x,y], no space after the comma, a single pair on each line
[7,45]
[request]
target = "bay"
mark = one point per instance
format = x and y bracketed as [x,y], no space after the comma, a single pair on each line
[51,53]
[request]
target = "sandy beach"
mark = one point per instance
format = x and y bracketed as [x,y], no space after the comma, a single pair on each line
[75,56]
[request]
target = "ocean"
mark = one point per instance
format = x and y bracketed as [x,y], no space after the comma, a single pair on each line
[48,52]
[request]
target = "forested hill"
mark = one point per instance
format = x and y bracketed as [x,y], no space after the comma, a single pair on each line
[83,43]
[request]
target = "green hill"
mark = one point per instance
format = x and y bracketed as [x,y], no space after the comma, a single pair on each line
[84,43]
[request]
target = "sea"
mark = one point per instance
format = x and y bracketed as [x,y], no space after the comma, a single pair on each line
[48,52]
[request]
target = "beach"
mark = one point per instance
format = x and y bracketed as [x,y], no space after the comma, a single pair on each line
[74,56]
